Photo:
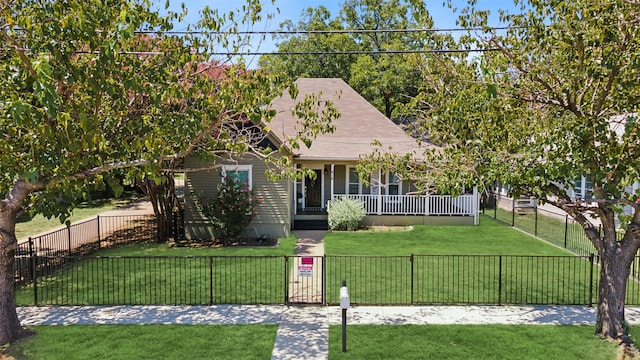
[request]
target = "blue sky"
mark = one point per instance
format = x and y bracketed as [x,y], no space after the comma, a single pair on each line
[291,9]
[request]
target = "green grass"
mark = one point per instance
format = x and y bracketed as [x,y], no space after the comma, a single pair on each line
[490,237]
[470,342]
[39,224]
[549,228]
[486,264]
[363,342]
[153,273]
[147,342]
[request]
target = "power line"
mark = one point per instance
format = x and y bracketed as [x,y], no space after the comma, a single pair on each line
[329,31]
[357,52]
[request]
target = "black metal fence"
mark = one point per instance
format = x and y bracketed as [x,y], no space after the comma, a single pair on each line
[373,280]
[81,238]
[554,227]
[54,269]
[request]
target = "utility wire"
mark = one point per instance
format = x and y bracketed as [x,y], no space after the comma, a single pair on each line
[329,31]
[358,52]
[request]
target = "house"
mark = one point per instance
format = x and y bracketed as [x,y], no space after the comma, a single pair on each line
[333,158]
[582,189]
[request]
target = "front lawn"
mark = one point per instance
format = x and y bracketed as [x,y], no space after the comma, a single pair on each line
[489,238]
[511,342]
[151,273]
[147,342]
[565,233]
[485,264]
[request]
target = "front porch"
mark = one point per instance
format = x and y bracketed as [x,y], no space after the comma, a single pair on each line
[387,199]
[427,205]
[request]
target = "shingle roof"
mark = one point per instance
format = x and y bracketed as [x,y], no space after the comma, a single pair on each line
[359,124]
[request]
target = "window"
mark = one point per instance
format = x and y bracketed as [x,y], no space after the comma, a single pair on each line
[353,182]
[583,188]
[240,173]
[394,185]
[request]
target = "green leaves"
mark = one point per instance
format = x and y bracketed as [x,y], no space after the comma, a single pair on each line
[539,112]
[387,81]
[231,209]
[91,95]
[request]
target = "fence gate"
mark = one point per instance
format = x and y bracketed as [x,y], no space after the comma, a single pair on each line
[306,280]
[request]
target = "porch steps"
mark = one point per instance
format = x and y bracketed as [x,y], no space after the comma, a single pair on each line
[311,224]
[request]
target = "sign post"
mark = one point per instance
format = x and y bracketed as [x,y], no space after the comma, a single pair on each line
[344,305]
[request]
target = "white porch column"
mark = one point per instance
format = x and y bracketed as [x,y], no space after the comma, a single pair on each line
[379,191]
[303,192]
[295,196]
[476,206]
[333,169]
[427,204]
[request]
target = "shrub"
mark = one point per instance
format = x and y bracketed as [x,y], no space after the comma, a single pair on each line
[231,210]
[345,214]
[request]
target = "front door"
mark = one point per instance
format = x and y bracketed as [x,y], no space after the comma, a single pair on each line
[313,190]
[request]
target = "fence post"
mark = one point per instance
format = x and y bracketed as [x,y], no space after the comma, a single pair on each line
[412,272]
[566,229]
[69,238]
[500,280]
[210,280]
[591,261]
[286,280]
[513,212]
[99,239]
[324,279]
[34,271]
[535,226]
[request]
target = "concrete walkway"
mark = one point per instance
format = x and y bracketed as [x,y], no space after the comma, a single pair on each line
[303,333]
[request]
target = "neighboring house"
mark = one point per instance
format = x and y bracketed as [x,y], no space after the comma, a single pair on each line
[333,158]
[582,187]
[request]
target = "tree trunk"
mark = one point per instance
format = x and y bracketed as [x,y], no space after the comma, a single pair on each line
[615,262]
[163,199]
[611,295]
[10,328]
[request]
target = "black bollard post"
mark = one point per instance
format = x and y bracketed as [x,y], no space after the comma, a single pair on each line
[344,305]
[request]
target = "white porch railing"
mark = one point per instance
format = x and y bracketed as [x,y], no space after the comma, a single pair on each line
[465,205]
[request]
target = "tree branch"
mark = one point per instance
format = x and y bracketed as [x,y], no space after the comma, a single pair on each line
[21,53]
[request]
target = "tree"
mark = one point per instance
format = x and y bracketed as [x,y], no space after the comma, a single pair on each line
[85,93]
[387,81]
[312,65]
[554,98]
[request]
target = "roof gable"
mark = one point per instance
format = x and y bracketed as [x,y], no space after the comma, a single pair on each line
[360,124]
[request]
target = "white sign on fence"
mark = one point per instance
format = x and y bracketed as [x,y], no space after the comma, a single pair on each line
[306,269]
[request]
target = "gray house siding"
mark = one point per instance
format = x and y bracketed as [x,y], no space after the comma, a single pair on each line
[272,214]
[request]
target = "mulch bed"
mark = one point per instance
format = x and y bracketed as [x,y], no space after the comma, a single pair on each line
[216,243]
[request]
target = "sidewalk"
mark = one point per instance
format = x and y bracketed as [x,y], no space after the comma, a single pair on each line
[273,314]
[303,331]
